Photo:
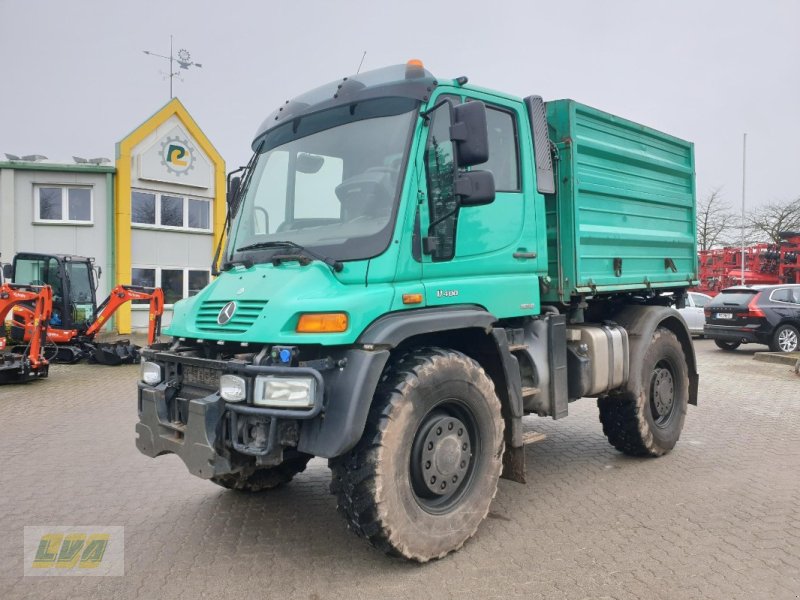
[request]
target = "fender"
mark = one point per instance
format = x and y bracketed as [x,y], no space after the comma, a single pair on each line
[392,329]
[349,392]
[641,322]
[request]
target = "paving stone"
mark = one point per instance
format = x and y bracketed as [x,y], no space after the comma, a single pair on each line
[719,517]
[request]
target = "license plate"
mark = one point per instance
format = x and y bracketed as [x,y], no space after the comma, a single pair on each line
[201,376]
[724,315]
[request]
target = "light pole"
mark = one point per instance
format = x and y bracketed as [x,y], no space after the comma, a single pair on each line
[184,60]
[744,169]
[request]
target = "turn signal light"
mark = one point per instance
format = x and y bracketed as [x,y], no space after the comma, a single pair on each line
[322,323]
[412,298]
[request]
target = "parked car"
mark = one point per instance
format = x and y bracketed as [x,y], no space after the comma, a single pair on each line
[693,313]
[762,314]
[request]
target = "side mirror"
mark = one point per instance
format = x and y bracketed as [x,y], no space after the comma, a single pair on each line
[8,272]
[475,188]
[233,194]
[470,134]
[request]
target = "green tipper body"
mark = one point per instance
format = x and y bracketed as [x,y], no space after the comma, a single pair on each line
[623,216]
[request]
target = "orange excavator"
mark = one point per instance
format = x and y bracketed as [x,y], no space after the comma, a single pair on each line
[29,363]
[77,318]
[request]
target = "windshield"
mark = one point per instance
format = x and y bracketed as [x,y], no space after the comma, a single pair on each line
[733,298]
[329,180]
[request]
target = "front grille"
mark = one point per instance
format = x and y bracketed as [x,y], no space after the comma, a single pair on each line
[247,311]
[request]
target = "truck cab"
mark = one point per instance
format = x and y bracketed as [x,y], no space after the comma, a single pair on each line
[412,265]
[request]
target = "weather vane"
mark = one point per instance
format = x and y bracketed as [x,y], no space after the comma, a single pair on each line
[184,60]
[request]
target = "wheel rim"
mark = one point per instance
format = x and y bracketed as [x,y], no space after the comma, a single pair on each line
[443,456]
[787,340]
[662,393]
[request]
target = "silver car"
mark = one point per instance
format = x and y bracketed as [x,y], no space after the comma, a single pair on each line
[692,313]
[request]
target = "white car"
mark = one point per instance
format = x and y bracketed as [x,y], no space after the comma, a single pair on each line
[693,312]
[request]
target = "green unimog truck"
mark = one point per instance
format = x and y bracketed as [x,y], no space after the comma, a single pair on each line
[411,266]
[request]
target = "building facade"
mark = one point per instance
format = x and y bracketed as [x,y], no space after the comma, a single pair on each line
[152,219]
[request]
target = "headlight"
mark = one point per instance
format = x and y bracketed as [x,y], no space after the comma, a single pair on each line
[150,373]
[232,388]
[284,392]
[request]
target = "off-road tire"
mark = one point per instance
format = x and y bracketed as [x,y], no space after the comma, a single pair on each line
[790,341]
[267,478]
[632,424]
[376,484]
[727,346]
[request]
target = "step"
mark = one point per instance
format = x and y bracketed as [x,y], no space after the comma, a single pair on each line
[517,347]
[532,437]
[529,391]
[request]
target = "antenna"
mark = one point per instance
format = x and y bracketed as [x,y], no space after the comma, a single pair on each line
[363,56]
[184,60]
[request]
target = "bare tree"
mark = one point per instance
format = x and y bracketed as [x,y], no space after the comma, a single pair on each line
[714,221]
[770,220]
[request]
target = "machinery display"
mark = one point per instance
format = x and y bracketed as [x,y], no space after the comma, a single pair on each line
[411,266]
[29,362]
[77,318]
[764,264]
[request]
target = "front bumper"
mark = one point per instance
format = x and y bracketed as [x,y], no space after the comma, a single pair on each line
[185,415]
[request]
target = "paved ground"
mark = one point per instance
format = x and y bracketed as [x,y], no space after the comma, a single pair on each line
[717,518]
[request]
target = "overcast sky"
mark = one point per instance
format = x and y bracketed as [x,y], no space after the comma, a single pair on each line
[74,79]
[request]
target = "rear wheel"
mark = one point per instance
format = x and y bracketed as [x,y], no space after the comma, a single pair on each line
[729,346]
[785,339]
[650,424]
[422,477]
[265,479]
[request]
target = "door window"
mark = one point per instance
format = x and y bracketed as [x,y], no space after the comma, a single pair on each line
[440,174]
[503,156]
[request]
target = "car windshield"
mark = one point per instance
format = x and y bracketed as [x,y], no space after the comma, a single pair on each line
[328,181]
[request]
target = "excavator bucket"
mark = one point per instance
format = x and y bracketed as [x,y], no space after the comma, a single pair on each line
[122,352]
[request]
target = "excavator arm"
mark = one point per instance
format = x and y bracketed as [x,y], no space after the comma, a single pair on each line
[41,297]
[127,293]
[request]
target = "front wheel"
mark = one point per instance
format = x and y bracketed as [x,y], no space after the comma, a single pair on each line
[650,424]
[728,346]
[267,478]
[422,477]
[785,339]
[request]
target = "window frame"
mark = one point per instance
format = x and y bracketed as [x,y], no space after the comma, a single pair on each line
[64,220]
[158,268]
[791,291]
[185,213]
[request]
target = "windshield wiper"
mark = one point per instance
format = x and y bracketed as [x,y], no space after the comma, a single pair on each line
[334,264]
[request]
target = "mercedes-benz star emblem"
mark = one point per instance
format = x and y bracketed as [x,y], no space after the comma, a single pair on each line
[227,312]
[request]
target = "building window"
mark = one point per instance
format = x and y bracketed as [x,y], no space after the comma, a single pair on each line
[62,204]
[176,283]
[143,208]
[167,211]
